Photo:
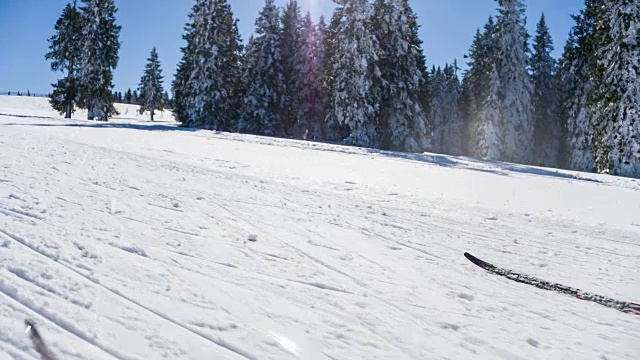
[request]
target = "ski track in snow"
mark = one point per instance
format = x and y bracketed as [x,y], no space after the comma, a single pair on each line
[129,240]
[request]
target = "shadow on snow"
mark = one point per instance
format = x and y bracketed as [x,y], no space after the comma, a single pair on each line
[496,167]
[100,124]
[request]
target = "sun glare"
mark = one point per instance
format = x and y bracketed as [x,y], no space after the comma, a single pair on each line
[312,6]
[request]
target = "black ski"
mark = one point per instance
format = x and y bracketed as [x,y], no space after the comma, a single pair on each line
[624,306]
[38,342]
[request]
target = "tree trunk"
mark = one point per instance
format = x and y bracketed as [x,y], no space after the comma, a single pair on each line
[67,114]
[152,112]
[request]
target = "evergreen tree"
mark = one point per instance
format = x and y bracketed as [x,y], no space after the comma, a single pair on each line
[64,54]
[234,73]
[617,91]
[264,82]
[247,62]
[309,102]
[166,100]
[454,131]
[151,91]
[100,46]
[548,130]
[420,62]
[438,108]
[518,127]
[355,98]
[334,131]
[577,67]
[447,120]
[183,71]
[128,97]
[321,40]
[490,142]
[476,83]
[292,62]
[206,84]
[135,100]
[565,82]
[403,120]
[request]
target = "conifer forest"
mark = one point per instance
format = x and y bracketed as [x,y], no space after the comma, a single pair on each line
[361,78]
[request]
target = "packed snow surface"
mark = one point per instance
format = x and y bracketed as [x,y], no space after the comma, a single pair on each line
[139,240]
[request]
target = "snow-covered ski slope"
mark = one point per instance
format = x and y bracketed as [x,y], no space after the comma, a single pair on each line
[128,240]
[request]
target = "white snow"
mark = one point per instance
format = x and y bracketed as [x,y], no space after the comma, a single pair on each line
[129,239]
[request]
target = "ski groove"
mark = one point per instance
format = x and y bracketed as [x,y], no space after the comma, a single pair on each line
[218,341]
[12,294]
[10,212]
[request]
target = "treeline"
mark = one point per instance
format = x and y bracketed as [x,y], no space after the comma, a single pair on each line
[85,48]
[132,97]
[20,93]
[580,112]
[361,79]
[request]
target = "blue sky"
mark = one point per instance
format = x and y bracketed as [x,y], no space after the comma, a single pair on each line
[447,30]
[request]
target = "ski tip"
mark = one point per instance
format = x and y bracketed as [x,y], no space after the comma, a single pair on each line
[483,264]
[31,328]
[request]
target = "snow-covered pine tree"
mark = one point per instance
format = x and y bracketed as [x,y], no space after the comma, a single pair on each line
[617,90]
[308,99]
[151,91]
[321,63]
[64,54]
[334,131]
[166,100]
[438,109]
[403,121]
[247,62]
[566,87]
[454,133]
[548,131]
[565,82]
[511,36]
[421,64]
[263,81]
[355,98]
[448,125]
[99,57]
[577,66]
[206,85]
[476,82]
[183,71]
[292,63]
[128,96]
[234,72]
[490,139]
[470,82]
